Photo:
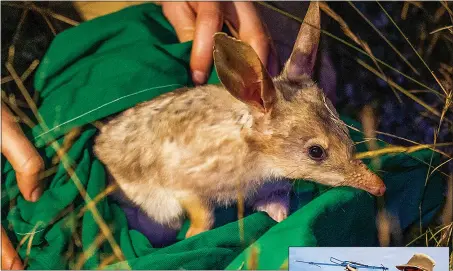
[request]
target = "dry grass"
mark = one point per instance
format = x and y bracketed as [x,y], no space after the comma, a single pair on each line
[438,235]
[387,225]
[65,160]
[252,262]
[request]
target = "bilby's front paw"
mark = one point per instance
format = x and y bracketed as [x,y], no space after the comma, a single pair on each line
[276,210]
[192,231]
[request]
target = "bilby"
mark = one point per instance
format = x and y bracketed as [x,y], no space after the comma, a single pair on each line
[185,152]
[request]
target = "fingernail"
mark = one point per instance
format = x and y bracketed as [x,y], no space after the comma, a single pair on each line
[199,77]
[36,194]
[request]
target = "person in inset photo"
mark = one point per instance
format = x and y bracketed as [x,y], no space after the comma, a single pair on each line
[418,262]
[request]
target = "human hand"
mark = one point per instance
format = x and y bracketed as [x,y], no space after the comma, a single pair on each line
[23,157]
[27,163]
[199,21]
[10,258]
[348,268]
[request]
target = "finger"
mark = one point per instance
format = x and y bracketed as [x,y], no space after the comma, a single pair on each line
[23,157]
[209,21]
[182,18]
[244,16]
[10,258]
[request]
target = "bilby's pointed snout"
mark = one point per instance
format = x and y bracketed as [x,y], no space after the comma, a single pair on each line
[379,189]
[363,178]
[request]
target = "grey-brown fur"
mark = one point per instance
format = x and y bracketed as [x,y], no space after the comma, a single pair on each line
[186,151]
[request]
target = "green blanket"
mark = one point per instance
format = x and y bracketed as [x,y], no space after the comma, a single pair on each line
[106,65]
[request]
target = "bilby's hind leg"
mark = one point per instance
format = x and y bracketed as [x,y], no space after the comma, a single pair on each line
[199,212]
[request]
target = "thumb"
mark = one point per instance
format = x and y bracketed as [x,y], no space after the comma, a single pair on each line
[23,157]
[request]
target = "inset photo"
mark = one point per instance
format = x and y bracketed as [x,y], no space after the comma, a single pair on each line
[369,258]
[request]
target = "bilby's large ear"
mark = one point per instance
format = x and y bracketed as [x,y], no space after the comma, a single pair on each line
[303,57]
[242,73]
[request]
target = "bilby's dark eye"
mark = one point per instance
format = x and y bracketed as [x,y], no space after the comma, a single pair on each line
[316,153]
